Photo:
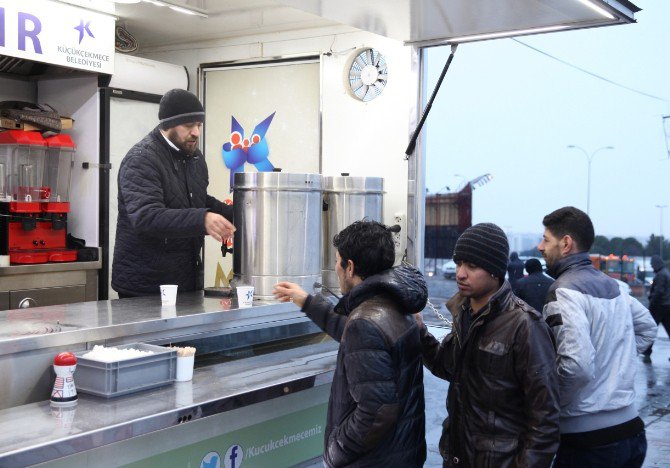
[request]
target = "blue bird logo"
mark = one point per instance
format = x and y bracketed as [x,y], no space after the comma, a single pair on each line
[211,460]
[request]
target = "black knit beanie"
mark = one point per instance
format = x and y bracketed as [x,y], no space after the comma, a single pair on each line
[484,245]
[178,107]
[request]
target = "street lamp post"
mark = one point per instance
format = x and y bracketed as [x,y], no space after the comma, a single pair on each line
[660,239]
[589,158]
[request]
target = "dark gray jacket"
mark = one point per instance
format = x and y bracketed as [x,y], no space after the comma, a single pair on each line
[376,407]
[161,223]
[659,295]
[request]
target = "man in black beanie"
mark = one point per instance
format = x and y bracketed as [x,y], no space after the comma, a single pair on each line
[164,208]
[499,358]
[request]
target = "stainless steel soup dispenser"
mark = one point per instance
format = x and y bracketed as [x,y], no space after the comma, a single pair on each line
[278,221]
[347,199]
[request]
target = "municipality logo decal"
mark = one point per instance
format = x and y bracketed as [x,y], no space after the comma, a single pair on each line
[84,28]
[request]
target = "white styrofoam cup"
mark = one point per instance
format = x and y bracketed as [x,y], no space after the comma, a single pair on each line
[184,368]
[169,294]
[245,296]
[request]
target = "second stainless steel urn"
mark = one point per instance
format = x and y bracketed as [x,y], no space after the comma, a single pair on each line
[347,199]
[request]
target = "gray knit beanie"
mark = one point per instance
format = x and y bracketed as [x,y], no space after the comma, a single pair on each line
[178,107]
[484,245]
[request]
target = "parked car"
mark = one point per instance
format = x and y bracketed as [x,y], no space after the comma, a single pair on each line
[449,269]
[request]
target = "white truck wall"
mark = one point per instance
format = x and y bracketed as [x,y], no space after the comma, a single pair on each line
[78,98]
[364,139]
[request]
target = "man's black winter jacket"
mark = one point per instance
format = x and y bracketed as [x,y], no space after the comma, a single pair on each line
[533,289]
[503,399]
[376,407]
[659,295]
[161,223]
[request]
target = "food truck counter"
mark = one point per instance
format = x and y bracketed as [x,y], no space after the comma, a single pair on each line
[261,374]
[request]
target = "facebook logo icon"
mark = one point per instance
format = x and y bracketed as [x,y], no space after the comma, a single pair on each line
[233,457]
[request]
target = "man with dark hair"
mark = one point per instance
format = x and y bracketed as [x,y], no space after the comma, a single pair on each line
[164,208]
[659,297]
[499,359]
[533,288]
[599,329]
[376,408]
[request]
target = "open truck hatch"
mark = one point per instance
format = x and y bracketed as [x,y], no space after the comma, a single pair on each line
[432,22]
[416,22]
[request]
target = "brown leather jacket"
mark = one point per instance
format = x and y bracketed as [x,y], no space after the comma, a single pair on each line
[503,398]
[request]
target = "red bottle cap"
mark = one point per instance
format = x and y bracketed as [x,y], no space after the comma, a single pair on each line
[65,359]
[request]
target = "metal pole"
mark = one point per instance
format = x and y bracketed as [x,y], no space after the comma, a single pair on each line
[589,159]
[660,239]
[588,186]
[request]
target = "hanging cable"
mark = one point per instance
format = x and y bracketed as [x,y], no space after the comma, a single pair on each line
[591,73]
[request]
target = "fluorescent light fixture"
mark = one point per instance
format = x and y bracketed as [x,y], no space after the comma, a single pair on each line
[182,10]
[596,8]
[179,7]
[518,32]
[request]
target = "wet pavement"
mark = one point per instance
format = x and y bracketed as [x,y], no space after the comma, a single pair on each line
[652,385]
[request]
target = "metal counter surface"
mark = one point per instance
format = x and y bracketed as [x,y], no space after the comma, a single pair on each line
[38,432]
[68,324]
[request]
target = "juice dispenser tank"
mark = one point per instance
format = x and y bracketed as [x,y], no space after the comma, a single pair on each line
[22,156]
[57,173]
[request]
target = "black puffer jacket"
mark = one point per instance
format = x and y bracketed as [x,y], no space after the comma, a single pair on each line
[533,289]
[376,407]
[503,399]
[161,224]
[659,294]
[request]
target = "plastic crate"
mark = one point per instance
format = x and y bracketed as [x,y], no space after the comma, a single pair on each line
[110,379]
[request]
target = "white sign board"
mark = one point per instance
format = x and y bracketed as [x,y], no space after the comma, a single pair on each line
[56,33]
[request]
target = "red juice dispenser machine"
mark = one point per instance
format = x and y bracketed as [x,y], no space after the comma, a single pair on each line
[28,233]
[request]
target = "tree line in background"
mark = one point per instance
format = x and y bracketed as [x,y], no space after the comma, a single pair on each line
[621,246]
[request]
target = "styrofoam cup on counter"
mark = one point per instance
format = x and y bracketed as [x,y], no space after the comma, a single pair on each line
[4,260]
[169,294]
[185,368]
[245,296]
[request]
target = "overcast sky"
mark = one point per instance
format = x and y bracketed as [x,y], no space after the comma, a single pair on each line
[510,111]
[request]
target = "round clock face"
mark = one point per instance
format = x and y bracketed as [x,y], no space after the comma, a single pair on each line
[367,74]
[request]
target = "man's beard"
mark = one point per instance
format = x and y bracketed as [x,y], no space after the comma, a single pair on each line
[185,148]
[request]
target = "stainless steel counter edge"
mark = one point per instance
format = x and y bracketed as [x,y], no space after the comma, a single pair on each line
[62,325]
[37,432]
